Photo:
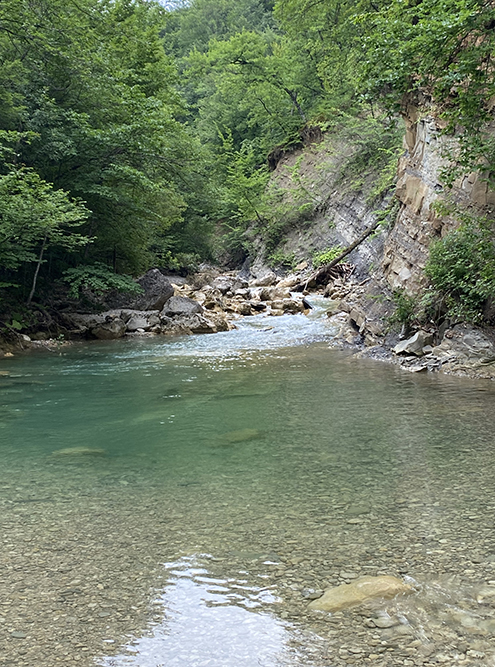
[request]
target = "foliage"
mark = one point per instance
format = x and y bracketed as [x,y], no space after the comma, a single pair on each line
[376,143]
[98,279]
[326,256]
[34,214]
[406,309]
[144,127]
[94,92]
[284,260]
[461,267]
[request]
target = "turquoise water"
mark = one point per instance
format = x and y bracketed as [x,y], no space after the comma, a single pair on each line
[282,460]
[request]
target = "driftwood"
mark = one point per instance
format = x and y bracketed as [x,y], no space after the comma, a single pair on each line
[328,271]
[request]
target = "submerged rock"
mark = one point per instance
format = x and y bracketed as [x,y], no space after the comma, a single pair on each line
[242,435]
[79,451]
[360,591]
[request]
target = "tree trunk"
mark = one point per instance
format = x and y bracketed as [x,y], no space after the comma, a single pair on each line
[35,277]
[327,268]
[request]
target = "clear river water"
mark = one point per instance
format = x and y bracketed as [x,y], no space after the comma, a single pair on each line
[229,479]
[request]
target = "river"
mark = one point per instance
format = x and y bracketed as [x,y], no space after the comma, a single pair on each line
[232,477]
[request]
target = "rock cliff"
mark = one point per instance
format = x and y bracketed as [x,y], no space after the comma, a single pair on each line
[419,186]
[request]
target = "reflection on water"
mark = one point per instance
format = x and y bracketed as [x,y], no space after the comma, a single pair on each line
[209,621]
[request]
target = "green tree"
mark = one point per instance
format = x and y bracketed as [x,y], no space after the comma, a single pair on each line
[33,218]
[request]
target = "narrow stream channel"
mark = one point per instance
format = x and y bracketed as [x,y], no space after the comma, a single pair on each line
[178,502]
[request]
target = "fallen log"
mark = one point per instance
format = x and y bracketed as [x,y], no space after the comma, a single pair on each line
[324,273]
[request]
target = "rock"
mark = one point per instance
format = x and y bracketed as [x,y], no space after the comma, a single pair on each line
[292,306]
[242,435]
[181,305]
[226,284]
[257,305]
[415,344]
[145,320]
[79,451]
[383,620]
[360,591]
[273,293]
[289,281]
[302,266]
[157,290]
[265,281]
[467,342]
[195,323]
[245,309]
[111,329]
[220,322]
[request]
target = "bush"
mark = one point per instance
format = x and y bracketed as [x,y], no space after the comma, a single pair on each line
[99,279]
[405,309]
[285,260]
[326,256]
[461,268]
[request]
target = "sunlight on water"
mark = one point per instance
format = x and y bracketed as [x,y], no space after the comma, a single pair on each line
[208,621]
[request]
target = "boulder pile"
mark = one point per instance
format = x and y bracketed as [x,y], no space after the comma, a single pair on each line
[209,304]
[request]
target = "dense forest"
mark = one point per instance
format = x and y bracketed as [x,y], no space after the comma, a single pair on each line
[137,134]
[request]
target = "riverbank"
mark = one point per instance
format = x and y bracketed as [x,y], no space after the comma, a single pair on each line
[212,301]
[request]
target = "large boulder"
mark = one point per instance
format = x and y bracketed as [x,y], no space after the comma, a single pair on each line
[181,305]
[157,289]
[140,319]
[105,326]
[111,329]
[415,344]
[360,591]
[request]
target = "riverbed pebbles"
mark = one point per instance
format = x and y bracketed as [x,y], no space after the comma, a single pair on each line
[80,566]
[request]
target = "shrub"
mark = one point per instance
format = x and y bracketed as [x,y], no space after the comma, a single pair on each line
[99,279]
[461,267]
[326,256]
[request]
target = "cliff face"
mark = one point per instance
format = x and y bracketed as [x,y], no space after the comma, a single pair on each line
[338,210]
[419,186]
[341,212]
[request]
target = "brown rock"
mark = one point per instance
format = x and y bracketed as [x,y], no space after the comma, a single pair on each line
[360,591]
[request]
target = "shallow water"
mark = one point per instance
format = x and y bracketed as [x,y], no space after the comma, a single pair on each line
[292,466]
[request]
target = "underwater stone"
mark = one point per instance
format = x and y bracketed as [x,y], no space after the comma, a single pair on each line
[360,591]
[78,451]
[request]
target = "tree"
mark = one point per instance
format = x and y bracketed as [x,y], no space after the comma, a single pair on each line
[34,217]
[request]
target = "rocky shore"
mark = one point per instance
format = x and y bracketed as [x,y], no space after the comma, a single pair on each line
[212,301]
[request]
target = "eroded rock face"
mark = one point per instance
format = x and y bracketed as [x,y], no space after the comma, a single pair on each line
[360,591]
[419,186]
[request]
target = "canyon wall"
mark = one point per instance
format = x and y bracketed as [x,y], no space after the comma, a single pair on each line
[419,186]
